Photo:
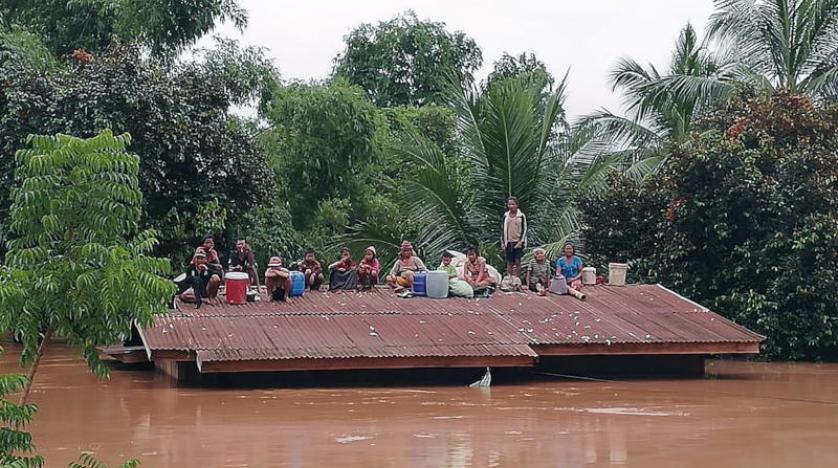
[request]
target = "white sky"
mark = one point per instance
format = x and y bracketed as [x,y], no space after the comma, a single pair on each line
[586,36]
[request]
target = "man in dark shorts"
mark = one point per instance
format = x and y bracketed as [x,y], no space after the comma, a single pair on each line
[514,237]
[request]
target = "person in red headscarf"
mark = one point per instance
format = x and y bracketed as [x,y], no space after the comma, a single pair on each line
[401,275]
[368,269]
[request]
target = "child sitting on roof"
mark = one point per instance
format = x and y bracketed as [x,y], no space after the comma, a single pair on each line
[343,273]
[475,272]
[456,286]
[368,269]
[312,270]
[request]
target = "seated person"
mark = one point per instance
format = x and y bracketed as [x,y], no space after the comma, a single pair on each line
[214,264]
[456,286]
[475,272]
[401,275]
[277,280]
[570,266]
[312,270]
[538,272]
[242,259]
[343,273]
[203,278]
[368,269]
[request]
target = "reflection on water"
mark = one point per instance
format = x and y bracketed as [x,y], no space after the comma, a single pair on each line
[743,414]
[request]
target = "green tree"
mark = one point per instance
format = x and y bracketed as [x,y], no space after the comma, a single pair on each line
[789,44]
[406,61]
[79,268]
[14,442]
[511,149]
[661,107]
[322,141]
[527,64]
[742,219]
[194,151]
[163,26]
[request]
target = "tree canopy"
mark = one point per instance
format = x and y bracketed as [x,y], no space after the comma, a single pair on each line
[406,61]
[192,150]
[76,241]
[163,26]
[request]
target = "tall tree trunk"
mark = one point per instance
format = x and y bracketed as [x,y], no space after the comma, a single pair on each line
[34,367]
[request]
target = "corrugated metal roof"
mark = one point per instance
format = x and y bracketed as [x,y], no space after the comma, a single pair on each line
[378,324]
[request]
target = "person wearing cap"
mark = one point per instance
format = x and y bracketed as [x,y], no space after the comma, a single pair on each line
[213,264]
[401,275]
[343,274]
[368,269]
[312,270]
[202,278]
[277,280]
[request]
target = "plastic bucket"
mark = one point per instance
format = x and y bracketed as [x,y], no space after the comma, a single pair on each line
[437,284]
[617,274]
[235,287]
[589,275]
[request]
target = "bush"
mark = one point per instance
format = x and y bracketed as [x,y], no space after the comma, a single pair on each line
[743,219]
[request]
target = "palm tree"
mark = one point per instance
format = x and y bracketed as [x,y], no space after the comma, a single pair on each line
[789,44]
[661,107]
[516,143]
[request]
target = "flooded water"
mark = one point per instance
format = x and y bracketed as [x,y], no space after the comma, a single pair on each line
[742,414]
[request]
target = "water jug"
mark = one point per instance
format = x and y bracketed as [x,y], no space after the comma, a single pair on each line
[588,276]
[420,280]
[298,284]
[437,284]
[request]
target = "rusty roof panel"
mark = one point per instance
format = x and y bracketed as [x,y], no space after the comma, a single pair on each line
[378,324]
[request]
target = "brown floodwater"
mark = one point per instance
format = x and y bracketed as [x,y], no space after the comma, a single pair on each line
[743,414]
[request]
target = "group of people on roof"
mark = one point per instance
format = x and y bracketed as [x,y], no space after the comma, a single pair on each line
[468,274]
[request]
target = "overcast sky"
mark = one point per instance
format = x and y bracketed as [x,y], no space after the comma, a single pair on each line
[303,36]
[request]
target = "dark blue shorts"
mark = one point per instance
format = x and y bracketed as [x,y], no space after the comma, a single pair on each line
[512,253]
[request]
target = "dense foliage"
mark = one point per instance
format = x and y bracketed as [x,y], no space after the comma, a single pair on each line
[77,242]
[192,151]
[511,66]
[323,139]
[164,26]
[406,61]
[744,219]
[16,447]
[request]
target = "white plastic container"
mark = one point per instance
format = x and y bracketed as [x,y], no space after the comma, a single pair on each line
[617,274]
[589,275]
[558,285]
[437,284]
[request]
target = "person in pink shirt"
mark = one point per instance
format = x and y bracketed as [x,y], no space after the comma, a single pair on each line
[368,269]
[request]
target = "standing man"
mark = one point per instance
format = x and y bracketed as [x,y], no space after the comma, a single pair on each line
[514,237]
[242,259]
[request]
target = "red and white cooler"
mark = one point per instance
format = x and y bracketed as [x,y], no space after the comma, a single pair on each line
[235,286]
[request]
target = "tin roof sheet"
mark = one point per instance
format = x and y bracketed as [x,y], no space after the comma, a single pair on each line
[378,324]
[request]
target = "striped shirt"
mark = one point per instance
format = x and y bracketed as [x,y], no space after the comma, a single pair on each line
[539,271]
